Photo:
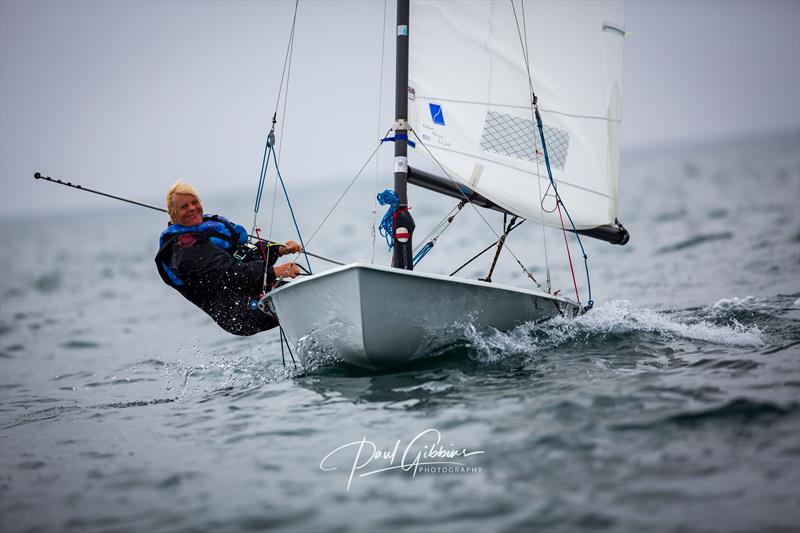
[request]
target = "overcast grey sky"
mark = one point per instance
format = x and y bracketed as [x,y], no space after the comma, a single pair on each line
[129,96]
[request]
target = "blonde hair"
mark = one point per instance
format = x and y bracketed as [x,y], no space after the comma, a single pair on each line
[179,187]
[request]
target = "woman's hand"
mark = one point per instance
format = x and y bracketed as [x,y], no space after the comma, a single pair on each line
[291,247]
[286,270]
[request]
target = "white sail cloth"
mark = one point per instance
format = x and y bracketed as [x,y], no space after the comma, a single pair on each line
[470,101]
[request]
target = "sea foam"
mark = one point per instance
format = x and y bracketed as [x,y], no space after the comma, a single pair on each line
[613,318]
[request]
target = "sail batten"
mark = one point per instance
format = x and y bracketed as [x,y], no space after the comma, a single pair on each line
[469,102]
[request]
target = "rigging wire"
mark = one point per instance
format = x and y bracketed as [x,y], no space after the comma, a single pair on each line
[285,339]
[421,250]
[286,58]
[270,142]
[590,302]
[443,225]
[262,176]
[538,170]
[349,186]
[270,152]
[288,67]
[269,148]
[474,257]
[538,122]
[505,245]
[377,159]
[291,211]
[569,254]
[286,72]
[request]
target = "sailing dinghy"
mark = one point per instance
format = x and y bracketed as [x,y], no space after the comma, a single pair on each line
[520,107]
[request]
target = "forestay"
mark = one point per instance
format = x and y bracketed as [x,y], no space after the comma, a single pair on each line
[470,101]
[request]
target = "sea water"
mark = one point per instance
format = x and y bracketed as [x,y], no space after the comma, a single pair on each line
[673,405]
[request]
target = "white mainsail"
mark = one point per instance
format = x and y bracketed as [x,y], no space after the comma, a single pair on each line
[470,101]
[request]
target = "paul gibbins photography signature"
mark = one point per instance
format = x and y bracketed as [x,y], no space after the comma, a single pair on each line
[424,452]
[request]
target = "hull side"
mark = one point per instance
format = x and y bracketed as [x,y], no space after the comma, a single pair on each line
[375,317]
[323,314]
[405,317]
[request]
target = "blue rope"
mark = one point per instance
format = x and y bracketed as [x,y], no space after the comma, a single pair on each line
[286,194]
[590,303]
[423,252]
[388,197]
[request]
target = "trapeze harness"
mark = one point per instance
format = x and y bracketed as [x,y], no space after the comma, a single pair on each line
[213,267]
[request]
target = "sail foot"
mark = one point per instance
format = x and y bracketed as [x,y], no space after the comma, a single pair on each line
[611,234]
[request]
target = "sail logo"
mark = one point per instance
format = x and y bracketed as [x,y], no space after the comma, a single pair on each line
[436,114]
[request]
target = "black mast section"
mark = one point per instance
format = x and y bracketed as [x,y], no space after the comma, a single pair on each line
[403,256]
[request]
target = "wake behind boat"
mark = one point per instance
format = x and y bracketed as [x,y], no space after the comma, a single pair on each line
[379,317]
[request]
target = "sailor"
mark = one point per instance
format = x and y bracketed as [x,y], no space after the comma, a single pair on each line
[207,259]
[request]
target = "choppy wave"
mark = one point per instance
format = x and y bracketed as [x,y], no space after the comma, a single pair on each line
[777,317]
[730,307]
[736,410]
[613,319]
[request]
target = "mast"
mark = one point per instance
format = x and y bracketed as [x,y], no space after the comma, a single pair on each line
[403,256]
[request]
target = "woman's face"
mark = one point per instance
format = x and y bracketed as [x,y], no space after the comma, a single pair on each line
[188,209]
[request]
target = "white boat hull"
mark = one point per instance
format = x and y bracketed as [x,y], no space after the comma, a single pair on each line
[378,317]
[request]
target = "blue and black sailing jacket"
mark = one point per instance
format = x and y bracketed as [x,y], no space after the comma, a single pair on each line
[219,231]
[211,266]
